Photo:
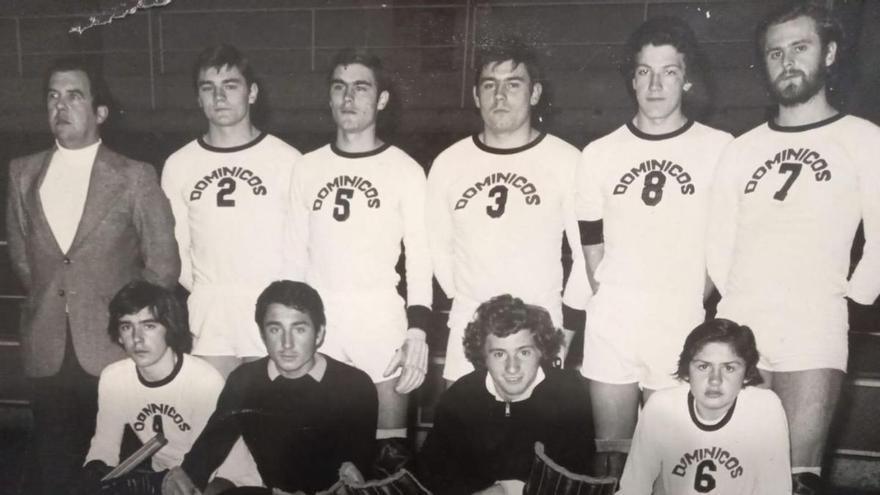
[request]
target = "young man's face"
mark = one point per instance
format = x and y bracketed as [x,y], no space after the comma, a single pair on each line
[73,117]
[225,96]
[659,81]
[355,99]
[291,339]
[513,363]
[505,96]
[716,375]
[143,338]
[795,60]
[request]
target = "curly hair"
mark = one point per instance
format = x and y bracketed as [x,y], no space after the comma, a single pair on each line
[506,315]
[164,306]
[739,337]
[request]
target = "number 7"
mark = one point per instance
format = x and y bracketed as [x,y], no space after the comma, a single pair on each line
[795,169]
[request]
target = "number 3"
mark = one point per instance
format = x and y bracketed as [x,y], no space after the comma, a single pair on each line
[703,481]
[499,194]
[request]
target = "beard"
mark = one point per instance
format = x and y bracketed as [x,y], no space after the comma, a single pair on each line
[792,92]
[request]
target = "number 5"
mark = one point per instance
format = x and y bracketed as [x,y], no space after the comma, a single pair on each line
[342,208]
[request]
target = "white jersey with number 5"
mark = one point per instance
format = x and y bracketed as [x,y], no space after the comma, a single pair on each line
[744,453]
[651,193]
[786,205]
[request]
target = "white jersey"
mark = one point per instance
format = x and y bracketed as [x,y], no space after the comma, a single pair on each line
[497,220]
[652,194]
[350,213]
[745,453]
[178,406]
[786,205]
[230,209]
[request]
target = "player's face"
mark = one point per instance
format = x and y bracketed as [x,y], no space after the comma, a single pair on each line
[143,338]
[795,60]
[659,81]
[225,96]
[355,99]
[73,117]
[513,363]
[716,375]
[505,96]
[291,339]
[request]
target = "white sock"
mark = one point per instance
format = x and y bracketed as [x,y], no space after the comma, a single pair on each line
[390,433]
[814,469]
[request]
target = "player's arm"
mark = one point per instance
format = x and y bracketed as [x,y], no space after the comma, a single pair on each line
[413,355]
[440,460]
[154,223]
[173,191]
[589,206]
[864,285]
[361,436]
[774,471]
[438,218]
[297,227]
[16,226]
[103,452]
[643,463]
[577,290]
[721,222]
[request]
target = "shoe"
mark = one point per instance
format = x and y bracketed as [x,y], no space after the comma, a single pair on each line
[806,484]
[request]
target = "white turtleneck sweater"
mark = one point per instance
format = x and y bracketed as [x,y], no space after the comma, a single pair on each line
[64,190]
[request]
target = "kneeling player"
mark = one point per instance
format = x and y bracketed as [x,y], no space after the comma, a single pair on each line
[157,390]
[488,421]
[713,436]
[301,413]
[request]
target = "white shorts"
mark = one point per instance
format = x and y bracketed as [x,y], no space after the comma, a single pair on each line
[221,317]
[636,339]
[796,334]
[364,330]
[460,315]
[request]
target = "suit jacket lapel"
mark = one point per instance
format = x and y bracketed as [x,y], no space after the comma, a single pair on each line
[105,184]
[35,204]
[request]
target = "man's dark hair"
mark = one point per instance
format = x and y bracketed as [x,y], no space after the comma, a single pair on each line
[506,315]
[828,26]
[219,56]
[367,59]
[739,337]
[504,48]
[295,295]
[97,84]
[665,30]
[164,306]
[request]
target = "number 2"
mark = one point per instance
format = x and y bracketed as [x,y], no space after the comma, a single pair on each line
[703,481]
[499,194]
[795,169]
[342,208]
[227,187]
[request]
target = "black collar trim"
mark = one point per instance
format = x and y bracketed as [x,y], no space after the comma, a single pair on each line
[507,151]
[806,127]
[165,381]
[692,409]
[360,154]
[232,149]
[658,137]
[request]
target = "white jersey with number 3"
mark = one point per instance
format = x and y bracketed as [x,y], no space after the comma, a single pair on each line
[744,453]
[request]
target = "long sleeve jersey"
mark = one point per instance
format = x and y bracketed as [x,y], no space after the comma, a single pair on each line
[350,212]
[299,431]
[230,209]
[478,440]
[745,453]
[652,194]
[179,406]
[497,220]
[786,205]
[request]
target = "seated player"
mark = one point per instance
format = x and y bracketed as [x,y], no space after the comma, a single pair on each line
[716,434]
[301,413]
[157,389]
[487,423]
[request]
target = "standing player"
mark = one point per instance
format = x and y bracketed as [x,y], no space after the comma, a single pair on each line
[717,435]
[228,190]
[354,201]
[643,192]
[499,202]
[786,205]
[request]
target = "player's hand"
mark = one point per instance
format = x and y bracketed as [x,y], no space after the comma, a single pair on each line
[412,357]
[177,482]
